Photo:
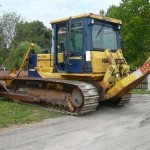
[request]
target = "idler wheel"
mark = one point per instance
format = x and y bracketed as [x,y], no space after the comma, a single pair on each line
[77,97]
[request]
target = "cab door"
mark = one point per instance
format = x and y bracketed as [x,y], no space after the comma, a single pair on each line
[61,47]
[75,48]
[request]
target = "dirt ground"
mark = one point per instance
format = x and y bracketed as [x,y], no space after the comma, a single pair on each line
[125,128]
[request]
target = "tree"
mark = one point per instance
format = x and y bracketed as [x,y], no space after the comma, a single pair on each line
[8,22]
[15,33]
[17,53]
[3,51]
[34,32]
[135,36]
[102,13]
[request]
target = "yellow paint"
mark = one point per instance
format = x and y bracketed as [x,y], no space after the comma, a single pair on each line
[90,76]
[99,61]
[26,57]
[12,73]
[60,58]
[8,82]
[44,65]
[100,65]
[94,16]
[46,70]
[122,85]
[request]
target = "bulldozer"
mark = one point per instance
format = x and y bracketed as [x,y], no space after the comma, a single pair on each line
[84,67]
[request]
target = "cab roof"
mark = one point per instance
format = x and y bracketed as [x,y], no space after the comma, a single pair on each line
[91,15]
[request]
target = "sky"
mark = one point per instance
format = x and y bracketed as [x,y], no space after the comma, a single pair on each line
[47,10]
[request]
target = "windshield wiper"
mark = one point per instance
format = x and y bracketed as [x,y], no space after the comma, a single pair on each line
[99,30]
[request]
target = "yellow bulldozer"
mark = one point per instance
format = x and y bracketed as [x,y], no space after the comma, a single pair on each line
[84,67]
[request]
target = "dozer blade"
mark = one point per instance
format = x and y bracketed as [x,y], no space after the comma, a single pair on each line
[3,86]
[20,97]
[128,83]
[4,92]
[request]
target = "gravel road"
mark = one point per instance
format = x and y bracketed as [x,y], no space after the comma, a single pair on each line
[125,128]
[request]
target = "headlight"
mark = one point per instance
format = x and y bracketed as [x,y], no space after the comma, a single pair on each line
[92,21]
[119,27]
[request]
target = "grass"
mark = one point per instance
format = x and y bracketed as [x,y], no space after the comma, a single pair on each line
[139,91]
[12,113]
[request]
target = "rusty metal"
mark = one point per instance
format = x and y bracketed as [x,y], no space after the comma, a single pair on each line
[7,74]
[23,98]
[145,69]
[69,103]
[58,100]
[3,86]
[49,96]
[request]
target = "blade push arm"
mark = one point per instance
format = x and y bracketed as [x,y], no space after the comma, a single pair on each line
[128,83]
[26,57]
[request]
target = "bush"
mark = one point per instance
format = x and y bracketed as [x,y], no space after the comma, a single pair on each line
[17,54]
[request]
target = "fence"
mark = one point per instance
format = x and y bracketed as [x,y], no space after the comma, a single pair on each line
[144,84]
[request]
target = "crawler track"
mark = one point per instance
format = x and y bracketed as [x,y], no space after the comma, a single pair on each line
[38,92]
[125,99]
[88,90]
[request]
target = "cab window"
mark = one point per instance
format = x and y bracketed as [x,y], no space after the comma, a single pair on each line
[76,40]
[104,37]
[61,38]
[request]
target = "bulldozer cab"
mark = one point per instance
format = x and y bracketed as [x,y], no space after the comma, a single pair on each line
[74,38]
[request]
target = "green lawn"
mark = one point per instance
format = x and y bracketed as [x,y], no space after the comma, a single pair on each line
[12,113]
[138,91]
